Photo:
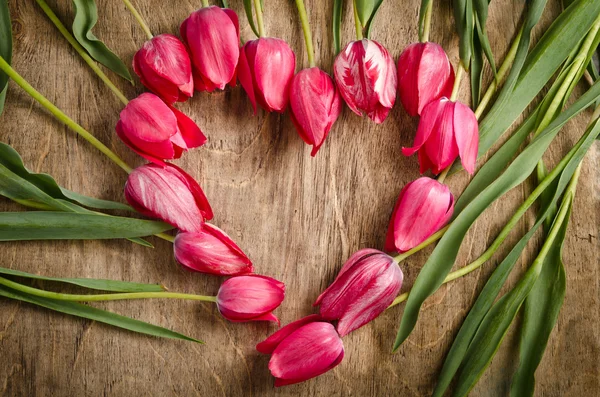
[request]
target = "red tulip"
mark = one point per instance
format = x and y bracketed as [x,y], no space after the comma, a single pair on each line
[211,251]
[367,284]
[157,131]
[423,207]
[446,130]
[302,350]
[265,72]
[164,67]
[212,35]
[315,105]
[424,75]
[168,193]
[250,298]
[365,74]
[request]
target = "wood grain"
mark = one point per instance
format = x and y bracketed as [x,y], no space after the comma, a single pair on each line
[297,217]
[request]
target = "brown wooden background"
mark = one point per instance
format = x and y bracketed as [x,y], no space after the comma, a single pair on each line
[297,217]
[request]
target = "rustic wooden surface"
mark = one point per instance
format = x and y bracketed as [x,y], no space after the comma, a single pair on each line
[297,217]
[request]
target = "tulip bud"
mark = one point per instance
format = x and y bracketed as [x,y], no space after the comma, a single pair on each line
[302,350]
[211,251]
[424,75]
[265,72]
[250,298]
[157,131]
[446,130]
[212,35]
[423,207]
[365,75]
[169,194]
[164,67]
[367,284]
[315,105]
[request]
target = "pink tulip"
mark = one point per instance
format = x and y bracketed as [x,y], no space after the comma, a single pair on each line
[446,130]
[315,105]
[265,72]
[365,75]
[250,298]
[157,131]
[164,67]
[169,194]
[211,251]
[367,284]
[424,75]
[302,350]
[423,207]
[212,35]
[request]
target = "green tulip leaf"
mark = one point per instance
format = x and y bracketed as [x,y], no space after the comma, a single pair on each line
[422,12]
[91,283]
[476,72]
[369,24]
[86,17]
[6,45]
[364,9]
[337,25]
[248,4]
[92,313]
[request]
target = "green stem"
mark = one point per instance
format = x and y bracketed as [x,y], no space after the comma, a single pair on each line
[424,36]
[205,3]
[444,174]
[103,297]
[458,78]
[80,50]
[432,239]
[259,18]
[357,24]
[165,236]
[307,34]
[139,19]
[56,112]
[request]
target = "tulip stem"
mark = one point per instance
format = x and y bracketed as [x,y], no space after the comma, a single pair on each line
[102,297]
[432,239]
[310,51]
[444,174]
[205,3]
[80,50]
[56,112]
[357,24]
[259,18]
[166,237]
[458,78]
[424,35]
[139,19]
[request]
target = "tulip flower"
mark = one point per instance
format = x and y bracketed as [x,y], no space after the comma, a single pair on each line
[302,350]
[265,72]
[365,75]
[169,194]
[212,35]
[157,131]
[367,284]
[315,105]
[164,67]
[423,207]
[424,75]
[250,298]
[446,130]
[211,251]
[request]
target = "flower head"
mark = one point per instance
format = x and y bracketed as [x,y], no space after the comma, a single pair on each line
[365,75]
[250,298]
[423,207]
[367,284]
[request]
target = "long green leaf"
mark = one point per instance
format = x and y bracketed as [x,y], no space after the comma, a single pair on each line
[92,202]
[481,11]
[463,17]
[476,72]
[338,5]
[248,8]
[364,9]
[422,13]
[6,45]
[92,313]
[497,279]
[494,326]
[41,225]
[91,283]
[444,255]
[86,16]
[369,25]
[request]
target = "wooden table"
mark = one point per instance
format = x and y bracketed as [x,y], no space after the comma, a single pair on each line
[297,217]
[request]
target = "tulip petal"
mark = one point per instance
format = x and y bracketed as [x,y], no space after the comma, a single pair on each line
[408,85]
[190,132]
[196,190]
[349,72]
[245,75]
[466,134]
[441,148]
[286,382]
[273,67]
[435,75]
[250,298]
[427,124]
[156,152]
[148,118]
[306,353]
[385,82]
[268,345]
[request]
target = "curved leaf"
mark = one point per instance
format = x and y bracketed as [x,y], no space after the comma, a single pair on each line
[481,11]
[91,313]
[248,8]
[476,72]
[364,9]
[372,17]
[6,44]
[86,16]
[91,283]
[463,17]
[337,25]
[41,225]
